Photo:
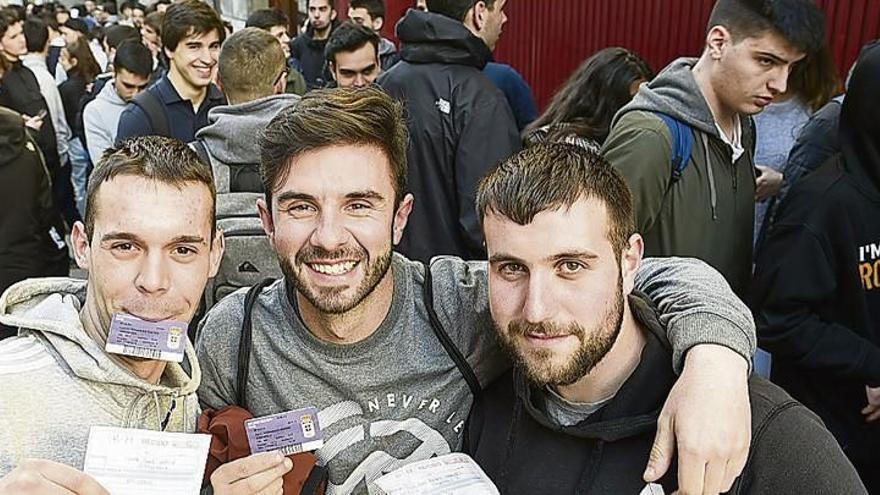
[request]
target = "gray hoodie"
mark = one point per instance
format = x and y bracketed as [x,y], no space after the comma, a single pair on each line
[56,382]
[232,133]
[100,120]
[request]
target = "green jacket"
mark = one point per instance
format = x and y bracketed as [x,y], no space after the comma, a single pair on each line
[709,212]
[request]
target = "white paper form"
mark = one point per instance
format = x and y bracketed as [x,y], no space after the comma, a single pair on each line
[142,462]
[456,474]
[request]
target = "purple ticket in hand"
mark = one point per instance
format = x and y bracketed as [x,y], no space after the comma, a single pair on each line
[132,336]
[289,432]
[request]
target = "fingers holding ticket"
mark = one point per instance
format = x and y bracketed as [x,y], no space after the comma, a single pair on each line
[41,477]
[252,475]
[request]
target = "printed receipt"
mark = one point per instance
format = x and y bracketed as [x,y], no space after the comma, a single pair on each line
[141,462]
[451,473]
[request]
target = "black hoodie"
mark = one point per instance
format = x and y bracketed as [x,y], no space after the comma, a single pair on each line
[816,294]
[460,128]
[308,58]
[31,242]
[525,451]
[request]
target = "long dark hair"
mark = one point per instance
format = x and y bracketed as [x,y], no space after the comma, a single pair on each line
[814,80]
[86,67]
[585,105]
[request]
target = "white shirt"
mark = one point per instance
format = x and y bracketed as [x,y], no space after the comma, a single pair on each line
[735,141]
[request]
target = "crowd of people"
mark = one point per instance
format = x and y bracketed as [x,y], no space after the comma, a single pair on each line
[394,236]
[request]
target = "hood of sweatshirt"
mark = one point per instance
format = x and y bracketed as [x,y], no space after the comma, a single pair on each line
[675,92]
[860,120]
[386,47]
[636,406]
[109,95]
[49,307]
[232,133]
[433,38]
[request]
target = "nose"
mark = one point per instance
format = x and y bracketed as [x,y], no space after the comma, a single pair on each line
[538,306]
[153,277]
[330,232]
[779,81]
[360,81]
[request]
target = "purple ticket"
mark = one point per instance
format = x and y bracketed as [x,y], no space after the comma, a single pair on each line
[290,432]
[162,340]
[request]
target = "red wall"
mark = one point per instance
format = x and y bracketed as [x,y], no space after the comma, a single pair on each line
[547,39]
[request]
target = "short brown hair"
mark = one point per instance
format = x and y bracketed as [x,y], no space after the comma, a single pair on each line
[157,158]
[251,61]
[549,176]
[335,117]
[187,18]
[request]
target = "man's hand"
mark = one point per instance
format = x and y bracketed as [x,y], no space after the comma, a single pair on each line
[34,123]
[259,474]
[41,477]
[767,184]
[708,416]
[872,410]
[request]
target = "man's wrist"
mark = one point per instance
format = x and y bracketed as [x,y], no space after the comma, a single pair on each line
[701,356]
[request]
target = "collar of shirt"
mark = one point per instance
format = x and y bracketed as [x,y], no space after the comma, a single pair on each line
[168,93]
[735,141]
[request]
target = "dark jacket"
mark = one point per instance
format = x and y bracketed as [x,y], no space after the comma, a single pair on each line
[20,91]
[816,294]
[31,231]
[309,60]
[460,128]
[516,90]
[183,122]
[524,451]
[72,91]
[709,213]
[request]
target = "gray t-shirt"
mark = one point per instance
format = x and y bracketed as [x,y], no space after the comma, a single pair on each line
[567,413]
[396,397]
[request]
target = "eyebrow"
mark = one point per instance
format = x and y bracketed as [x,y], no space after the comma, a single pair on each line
[773,56]
[293,195]
[365,194]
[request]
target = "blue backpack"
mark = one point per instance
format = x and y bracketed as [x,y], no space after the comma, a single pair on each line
[682,145]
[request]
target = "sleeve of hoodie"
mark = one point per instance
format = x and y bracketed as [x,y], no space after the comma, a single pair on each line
[789,285]
[639,147]
[697,306]
[98,136]
[488,136]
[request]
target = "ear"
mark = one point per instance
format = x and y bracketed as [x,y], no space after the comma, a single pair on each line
[630,261]
[280,86]
[266,220]
[81,247]
[717,39]
[333,70]
[168,53]
[218,246]
[378,23]
[401,216]
[332,15]
[479,15]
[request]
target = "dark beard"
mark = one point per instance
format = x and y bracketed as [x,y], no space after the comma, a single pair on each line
[593,346]
[329,301]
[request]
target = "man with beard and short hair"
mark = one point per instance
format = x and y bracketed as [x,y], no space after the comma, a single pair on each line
[579,411]
[308,48]
[177,105]
[353,55]
[347,329]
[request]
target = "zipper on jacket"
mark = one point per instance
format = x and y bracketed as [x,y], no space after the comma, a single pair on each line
[171,408]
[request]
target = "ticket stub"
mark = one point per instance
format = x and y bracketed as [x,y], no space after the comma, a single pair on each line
[128,461]
[132,336]
[290,432]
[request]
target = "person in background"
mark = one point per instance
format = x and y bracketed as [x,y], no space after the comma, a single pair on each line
[191,36]
[371,14]
[151,34]
[353,55]
[114,36]
[816,294]
[811,85]
[37,37]
[581,111]
[308,48]
[276,23]
[81,69]
[440,81]
[131,75]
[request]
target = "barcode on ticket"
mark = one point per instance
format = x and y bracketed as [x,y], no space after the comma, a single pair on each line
[302,447]
[143,352]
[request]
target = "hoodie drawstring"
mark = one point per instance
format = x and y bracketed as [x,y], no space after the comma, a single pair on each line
[511,441]
[589,473]
[713,194]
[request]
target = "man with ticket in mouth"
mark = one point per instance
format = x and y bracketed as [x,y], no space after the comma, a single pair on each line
[347,330]
[108,351]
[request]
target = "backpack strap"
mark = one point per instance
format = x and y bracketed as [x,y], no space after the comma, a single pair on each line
[244,343]
[682,143]
[150,104]
[460,362]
